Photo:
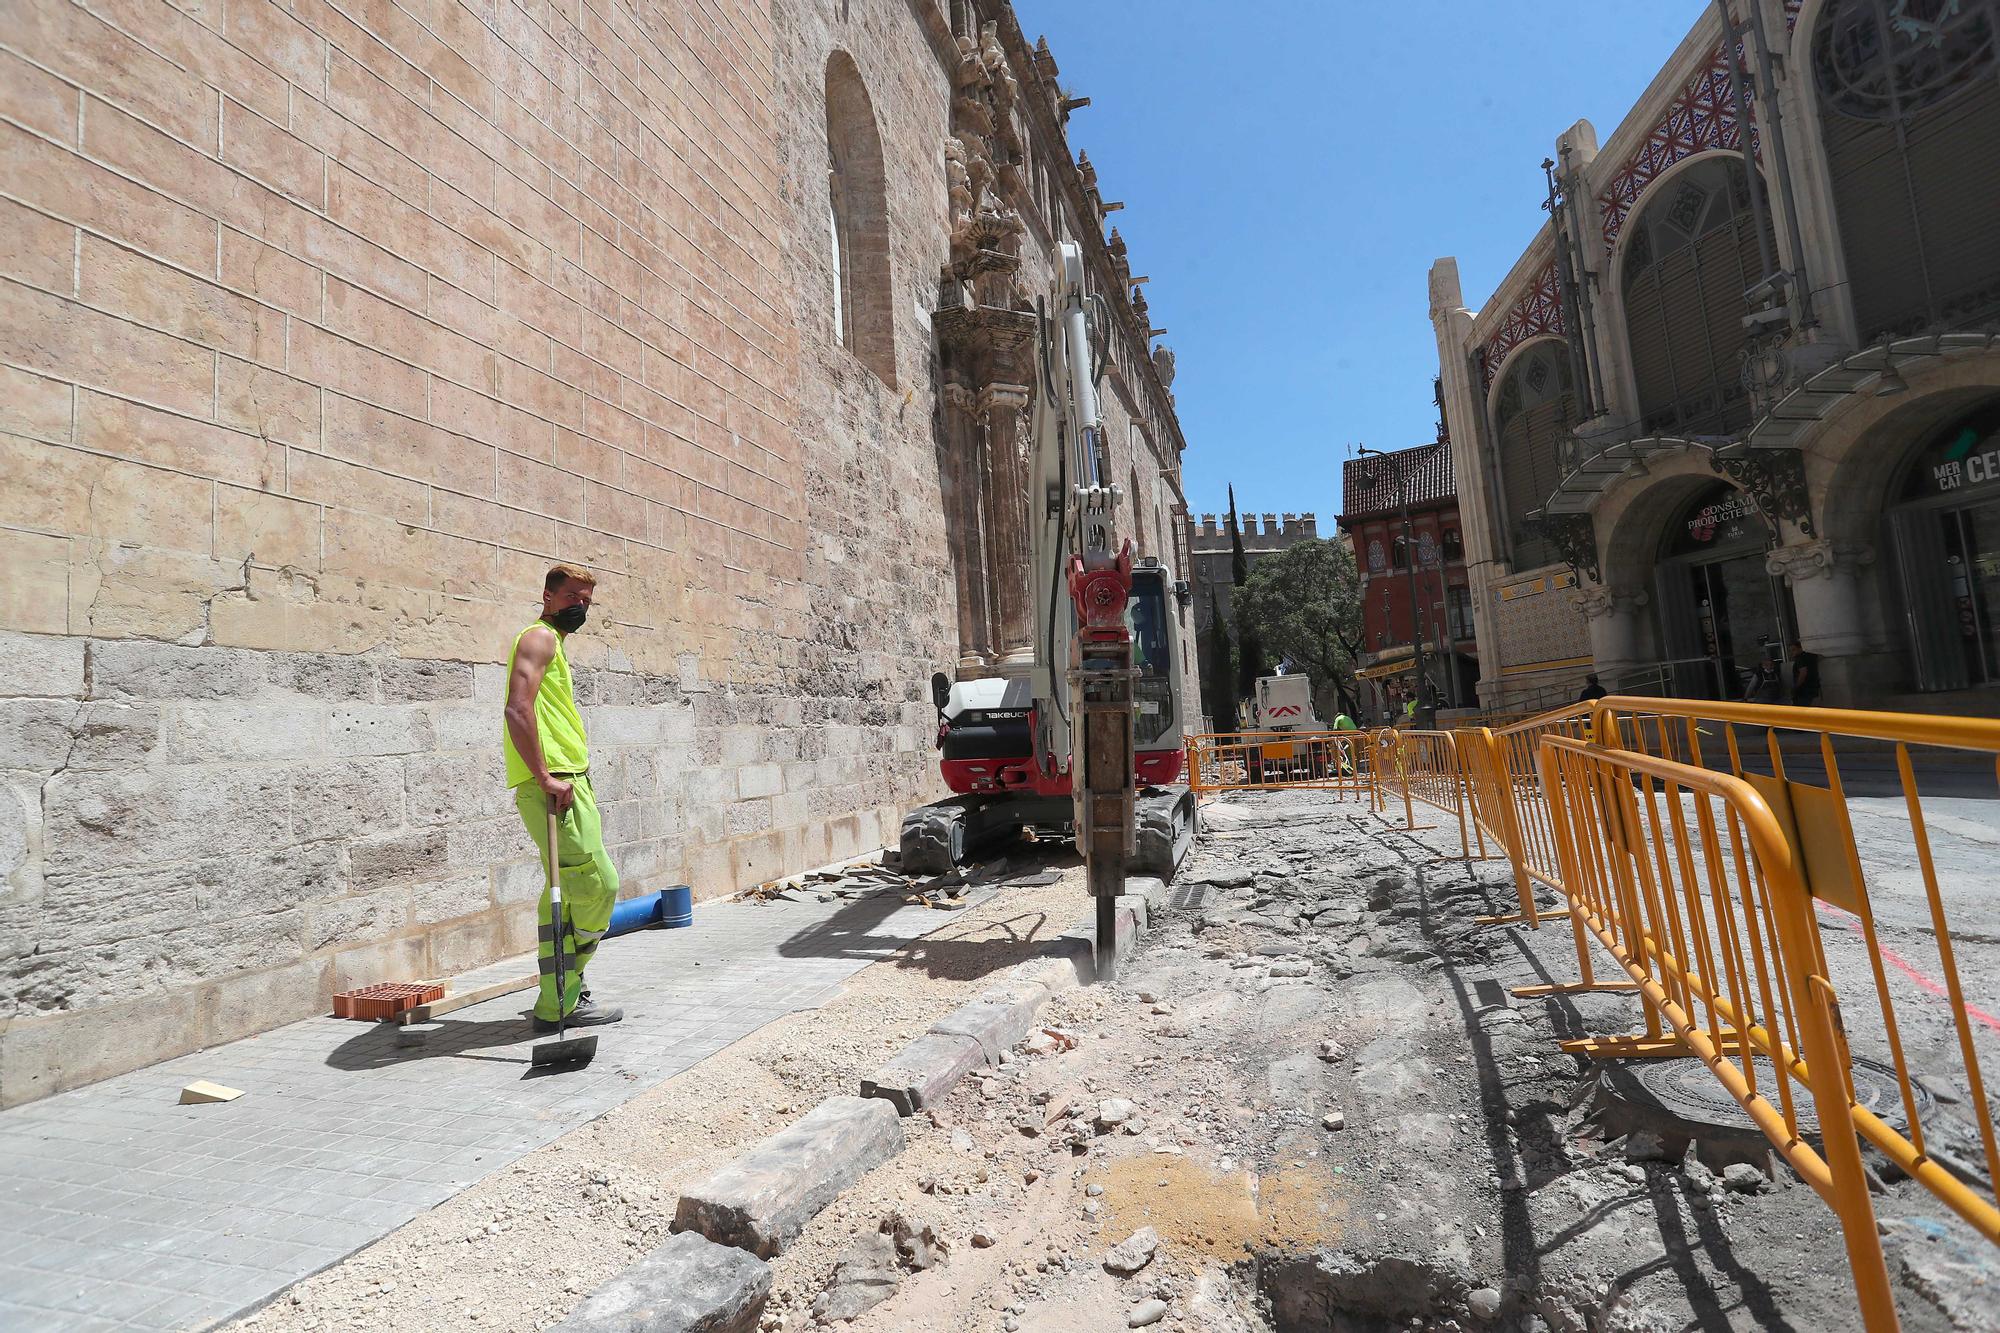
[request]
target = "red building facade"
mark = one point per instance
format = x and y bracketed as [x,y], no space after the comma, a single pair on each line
[1388,552]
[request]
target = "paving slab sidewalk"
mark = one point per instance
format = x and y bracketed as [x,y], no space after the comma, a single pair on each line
[120,1209]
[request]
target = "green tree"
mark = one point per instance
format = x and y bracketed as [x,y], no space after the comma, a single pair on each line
[1304,603]
[1250,659]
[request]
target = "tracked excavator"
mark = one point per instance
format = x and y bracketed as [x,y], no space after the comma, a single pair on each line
[1088,743]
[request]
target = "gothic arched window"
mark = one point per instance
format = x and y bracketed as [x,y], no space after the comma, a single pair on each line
[1909,104]
[858,221]
[1531,419]
[1693,253]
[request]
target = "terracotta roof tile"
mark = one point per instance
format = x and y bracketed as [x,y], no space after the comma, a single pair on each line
[1368,484]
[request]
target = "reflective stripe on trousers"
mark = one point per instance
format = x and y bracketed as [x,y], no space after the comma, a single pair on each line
[589,884]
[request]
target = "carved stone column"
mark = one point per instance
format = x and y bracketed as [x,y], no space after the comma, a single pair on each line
[1003,416]
[1620,635]
[987,353]
[985,329]
[1825,581]
[959,474]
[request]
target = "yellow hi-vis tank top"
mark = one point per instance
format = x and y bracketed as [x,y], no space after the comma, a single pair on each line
[557,722]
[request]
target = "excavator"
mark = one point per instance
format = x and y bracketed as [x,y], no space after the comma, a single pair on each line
[1088,744]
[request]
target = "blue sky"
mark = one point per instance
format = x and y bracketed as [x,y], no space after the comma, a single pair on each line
[1290,168]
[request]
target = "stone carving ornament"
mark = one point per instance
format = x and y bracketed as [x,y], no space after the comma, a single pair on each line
[1818,559]
[1593,600]
[982,158]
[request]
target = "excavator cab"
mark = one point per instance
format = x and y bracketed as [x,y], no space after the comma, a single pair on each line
[1156,725]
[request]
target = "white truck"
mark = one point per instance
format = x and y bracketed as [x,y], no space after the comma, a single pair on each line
[1285,703]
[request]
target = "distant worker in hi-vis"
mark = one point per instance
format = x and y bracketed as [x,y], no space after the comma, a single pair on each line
[548,768]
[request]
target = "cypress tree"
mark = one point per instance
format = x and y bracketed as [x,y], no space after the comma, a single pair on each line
[1249,650]
[1219,670]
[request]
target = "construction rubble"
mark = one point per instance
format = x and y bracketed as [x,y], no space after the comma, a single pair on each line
[1308,1102]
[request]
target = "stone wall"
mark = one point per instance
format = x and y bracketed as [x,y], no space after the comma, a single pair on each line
[324,329]
[1214,557]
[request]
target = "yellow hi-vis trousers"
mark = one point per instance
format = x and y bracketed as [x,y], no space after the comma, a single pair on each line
[589,885]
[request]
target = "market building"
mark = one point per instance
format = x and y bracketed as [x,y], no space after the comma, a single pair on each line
[1743,387]
[1400,511]
[326,329]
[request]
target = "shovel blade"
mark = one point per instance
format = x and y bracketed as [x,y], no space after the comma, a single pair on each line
[566,1051]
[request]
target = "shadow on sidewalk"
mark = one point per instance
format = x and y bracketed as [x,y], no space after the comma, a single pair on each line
[463,1039]
[948,953]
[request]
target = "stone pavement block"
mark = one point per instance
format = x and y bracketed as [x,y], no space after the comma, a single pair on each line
[688,1285]
[240,1214]
[763,1200]
[997,1018]
[922,1072]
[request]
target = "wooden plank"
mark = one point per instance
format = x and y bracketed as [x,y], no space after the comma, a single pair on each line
[424,1013]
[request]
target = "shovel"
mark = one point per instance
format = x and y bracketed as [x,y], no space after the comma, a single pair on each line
[563,1050]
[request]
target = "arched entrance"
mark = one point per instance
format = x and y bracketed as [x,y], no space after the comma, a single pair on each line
[1721,610]
[1944,528]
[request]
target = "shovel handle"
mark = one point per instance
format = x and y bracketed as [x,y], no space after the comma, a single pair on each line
[556,918]
[555,825]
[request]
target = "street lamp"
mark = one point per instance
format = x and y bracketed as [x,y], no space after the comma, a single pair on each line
[1426,715]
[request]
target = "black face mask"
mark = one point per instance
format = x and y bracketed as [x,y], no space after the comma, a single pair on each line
[568,620]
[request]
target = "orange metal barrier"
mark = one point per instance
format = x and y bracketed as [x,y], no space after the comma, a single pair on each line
[1686,877]
[1494,811]
[1891,769]
[1509,792]
[1713,850]
[1427,766]
[1336,761]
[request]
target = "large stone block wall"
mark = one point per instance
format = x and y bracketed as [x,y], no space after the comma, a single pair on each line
[324,328]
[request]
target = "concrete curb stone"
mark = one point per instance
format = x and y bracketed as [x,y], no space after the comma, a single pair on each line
[688,1285]
[996,1018]
[1070,962]
[922,1072]
[763,1199]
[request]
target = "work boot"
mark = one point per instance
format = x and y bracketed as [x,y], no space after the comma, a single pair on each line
[587,1014]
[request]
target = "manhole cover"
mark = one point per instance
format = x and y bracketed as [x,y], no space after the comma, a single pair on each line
[1687,1091]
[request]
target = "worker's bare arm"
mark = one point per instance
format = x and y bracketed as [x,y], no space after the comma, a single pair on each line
[531,660]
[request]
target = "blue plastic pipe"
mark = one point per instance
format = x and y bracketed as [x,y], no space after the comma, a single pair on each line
[633,914]
[670,907]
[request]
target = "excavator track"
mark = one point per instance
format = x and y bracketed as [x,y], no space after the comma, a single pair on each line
[933,841]
[1167,820]
[938,838]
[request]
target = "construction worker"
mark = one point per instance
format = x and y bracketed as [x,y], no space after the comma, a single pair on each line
[548,767]
[1342,722]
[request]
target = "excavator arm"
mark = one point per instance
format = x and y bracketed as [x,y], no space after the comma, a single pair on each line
[1081,734]
[1089,706]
